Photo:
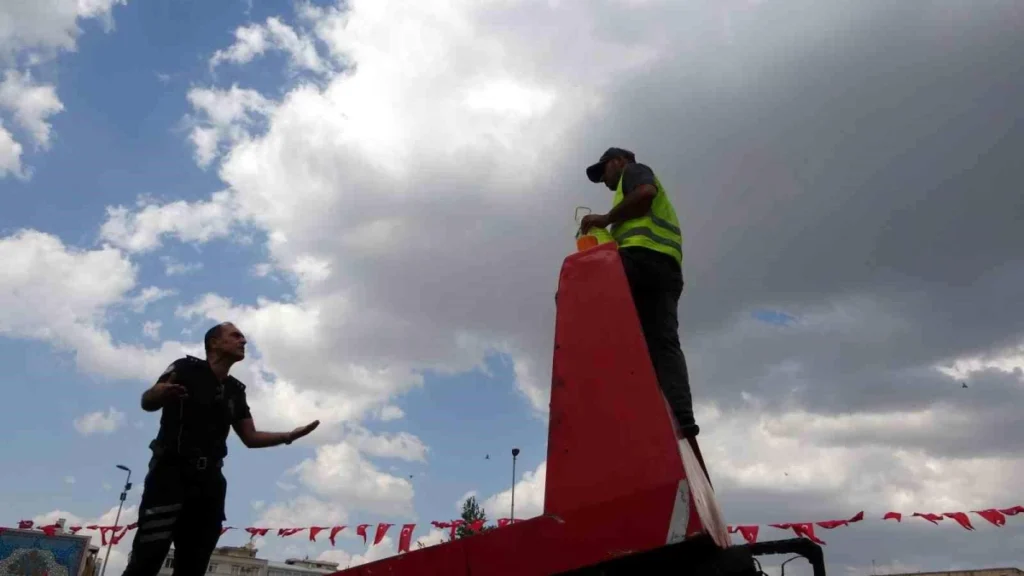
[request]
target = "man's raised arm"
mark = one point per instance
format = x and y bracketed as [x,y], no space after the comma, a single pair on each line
[253,438]
[166,389]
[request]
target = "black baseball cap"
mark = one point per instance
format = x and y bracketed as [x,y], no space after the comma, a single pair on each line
[596,171]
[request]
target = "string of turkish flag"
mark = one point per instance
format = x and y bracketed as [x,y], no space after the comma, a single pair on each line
[749,532]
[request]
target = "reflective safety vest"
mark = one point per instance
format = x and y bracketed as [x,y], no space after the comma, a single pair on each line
[658,230]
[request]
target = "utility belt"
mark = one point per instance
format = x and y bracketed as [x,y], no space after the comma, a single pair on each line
[161,455]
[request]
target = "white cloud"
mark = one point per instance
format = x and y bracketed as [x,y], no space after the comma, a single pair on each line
[254,40]
[462,500]
[63,295]
[148,295]
[32,104]
[44,27]
[390,412]
[143,230]
[174,268]
[224,117]
[340,473]
[403,446]
[151,329]
[10,154]
[302,511]
[34,32]
[529,496]
[99,422]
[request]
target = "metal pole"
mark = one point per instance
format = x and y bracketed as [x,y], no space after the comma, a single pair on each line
[512,518]
[124,495]
[782,568]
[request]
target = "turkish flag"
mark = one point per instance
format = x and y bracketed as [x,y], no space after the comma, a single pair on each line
[382,529]
[960,518]
[992,515]
[361,531]
[335,530]
[405,538]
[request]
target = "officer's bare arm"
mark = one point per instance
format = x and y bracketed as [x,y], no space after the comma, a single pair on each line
[253,438]
[636,204]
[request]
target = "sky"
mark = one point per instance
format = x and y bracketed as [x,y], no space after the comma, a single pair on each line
[380,195]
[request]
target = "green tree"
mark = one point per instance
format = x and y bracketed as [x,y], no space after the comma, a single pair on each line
[472,512]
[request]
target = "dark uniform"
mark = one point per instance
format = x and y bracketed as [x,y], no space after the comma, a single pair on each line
[183,497]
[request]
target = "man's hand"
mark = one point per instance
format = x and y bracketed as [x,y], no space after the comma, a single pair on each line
[302,431]
[162,394]
[593,220]
[170,390]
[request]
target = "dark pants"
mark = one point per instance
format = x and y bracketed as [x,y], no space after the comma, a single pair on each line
[183,505]
[656,282]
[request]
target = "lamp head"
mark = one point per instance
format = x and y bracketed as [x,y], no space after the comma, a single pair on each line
[515,452]
[123,467]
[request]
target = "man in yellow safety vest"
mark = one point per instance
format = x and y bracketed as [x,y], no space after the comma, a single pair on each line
[646,230]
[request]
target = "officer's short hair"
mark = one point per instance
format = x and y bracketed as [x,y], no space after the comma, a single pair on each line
[212,334]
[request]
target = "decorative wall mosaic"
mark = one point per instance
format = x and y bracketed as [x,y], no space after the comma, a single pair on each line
[32,553]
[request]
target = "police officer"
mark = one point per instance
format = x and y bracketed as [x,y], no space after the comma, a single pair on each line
[183,497]
[645,227]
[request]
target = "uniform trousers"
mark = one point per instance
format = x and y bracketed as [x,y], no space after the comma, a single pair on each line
[183,503]
[656,283]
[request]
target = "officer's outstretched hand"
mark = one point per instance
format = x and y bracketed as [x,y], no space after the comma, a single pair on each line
[170,390]
[304,430]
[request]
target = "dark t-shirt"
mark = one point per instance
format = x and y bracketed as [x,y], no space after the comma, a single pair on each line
[636,175]
[199,425]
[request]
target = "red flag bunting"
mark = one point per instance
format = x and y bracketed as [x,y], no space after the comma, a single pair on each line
[454,526]
[960,518]
[114,534]
[405,537]
[992,515]
[805,529]
[334,532]
[116,538]
[225,529]
[382,529]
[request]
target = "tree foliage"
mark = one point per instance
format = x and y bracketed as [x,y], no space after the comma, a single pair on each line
[472,512]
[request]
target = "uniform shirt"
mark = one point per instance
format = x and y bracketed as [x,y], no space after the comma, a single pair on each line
[634,175]
[199,425]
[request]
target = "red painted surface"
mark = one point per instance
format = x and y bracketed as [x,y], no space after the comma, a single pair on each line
[610,431]
[615,464]
[540,546]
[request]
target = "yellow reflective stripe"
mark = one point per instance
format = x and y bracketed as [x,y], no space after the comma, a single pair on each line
[650,235]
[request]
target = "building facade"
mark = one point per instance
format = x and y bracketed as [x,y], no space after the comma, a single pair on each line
[242,561]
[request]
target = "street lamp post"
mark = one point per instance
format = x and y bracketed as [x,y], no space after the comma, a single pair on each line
[512,515]
[124,495]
